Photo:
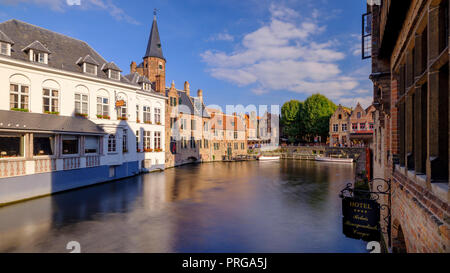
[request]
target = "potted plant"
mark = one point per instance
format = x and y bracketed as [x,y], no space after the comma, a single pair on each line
[148,122]
[19,109]
[81,115]
[138,121]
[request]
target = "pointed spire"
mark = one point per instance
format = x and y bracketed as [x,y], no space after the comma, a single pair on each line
[154,42]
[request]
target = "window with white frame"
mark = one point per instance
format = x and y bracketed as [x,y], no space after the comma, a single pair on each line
[147,114]
[122,111]
[39,57]
[113,74]
[137,113]
[81,103]
[50,101]
[18,96]
[4,48]
[147,140]
[112,145]
[157,115]
[90,68]
[102,106]
[157,140]
[125,141]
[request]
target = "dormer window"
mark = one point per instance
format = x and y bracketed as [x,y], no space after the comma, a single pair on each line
[112,71]
[37,52]
[5,44]
[5,49]
[115,75]
[89,65]
[146,86]
[39,57]
[90,69]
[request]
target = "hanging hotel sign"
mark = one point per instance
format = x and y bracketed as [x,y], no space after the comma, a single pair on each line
[361,219]
[120,103]
[361,212]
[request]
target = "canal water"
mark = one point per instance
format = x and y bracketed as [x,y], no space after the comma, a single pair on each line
[285,206]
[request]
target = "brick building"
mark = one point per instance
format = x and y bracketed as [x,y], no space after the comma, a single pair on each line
[189,126]
[351,127]
[228,135]
[408,44]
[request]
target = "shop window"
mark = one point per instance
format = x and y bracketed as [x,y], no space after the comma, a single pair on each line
[91,145]
[69,145]
[11,145]
[43,144]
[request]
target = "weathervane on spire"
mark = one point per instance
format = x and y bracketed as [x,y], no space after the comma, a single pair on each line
[154,11]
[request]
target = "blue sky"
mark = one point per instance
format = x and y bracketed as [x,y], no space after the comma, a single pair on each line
[236,51]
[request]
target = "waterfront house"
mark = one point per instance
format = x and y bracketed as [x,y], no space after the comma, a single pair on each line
[68,117]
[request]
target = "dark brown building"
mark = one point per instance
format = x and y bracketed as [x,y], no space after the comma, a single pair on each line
[408,43]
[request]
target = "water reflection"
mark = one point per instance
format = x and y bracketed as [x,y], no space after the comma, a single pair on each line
[286,206]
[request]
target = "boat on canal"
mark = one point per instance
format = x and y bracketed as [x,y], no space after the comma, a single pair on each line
[334,159]
[268,158]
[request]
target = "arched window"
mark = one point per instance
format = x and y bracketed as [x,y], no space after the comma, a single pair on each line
[111,143]
[19,93]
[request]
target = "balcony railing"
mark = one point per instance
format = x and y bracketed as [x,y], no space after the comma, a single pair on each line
[71,163]
[45,165]
[92,161]
[12,168]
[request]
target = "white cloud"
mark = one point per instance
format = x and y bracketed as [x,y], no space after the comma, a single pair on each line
[221,37]
[73,2]
[282,55]
[62,5]
[351,102]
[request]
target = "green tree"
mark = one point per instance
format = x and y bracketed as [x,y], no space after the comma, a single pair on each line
[290,119]
[315,116]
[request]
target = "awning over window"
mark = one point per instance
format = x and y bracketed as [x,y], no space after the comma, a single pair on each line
[21,121]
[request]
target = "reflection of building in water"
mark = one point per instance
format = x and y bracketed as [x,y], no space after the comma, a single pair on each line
[22,223]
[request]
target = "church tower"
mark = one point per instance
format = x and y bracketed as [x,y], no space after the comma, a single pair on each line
[154,64]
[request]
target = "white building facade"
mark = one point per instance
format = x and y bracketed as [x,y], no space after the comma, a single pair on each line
[68,118]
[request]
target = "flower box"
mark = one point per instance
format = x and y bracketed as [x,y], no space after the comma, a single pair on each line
[147,122]
[158,150]
[20,109]
[52,112]
[122,118]
[103,117]
[148,150]
[81,115]
[158,123]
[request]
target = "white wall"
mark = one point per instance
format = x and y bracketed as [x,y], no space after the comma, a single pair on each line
[36,77]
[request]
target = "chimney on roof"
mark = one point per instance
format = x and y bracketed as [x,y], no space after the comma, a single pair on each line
[133,67]
[200,95]
[186,87]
